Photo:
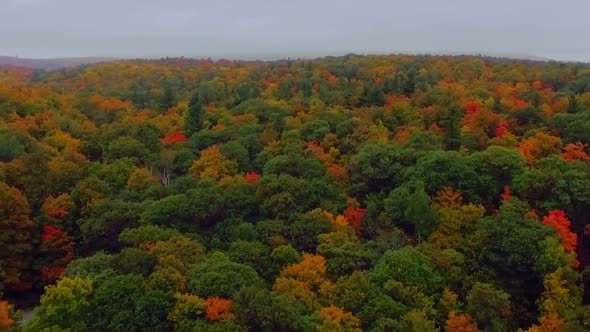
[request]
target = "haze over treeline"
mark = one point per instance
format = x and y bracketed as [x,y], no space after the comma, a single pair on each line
[259,29]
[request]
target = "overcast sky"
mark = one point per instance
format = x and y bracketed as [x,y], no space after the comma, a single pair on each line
[265,29]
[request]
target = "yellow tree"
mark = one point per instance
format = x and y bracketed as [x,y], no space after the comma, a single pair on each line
[305,281]
[334,319]
[213,164]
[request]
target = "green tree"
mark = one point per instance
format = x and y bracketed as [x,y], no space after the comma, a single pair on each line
[217,276]
[167,100]
[489,306]
[408,266]
[15,235]
[193,119]
[64,307]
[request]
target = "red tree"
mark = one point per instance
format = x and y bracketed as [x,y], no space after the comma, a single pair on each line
[252,177]
[561,225]
[355,217]
[177,137]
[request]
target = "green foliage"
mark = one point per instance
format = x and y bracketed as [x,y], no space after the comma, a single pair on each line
[64,306]
[408,266]
[217,276]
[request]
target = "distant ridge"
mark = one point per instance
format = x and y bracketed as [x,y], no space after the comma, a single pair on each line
[60,63]
[50,64]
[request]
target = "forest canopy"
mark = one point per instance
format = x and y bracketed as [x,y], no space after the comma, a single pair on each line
[374,193]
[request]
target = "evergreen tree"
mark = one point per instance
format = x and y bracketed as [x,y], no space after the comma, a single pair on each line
[193,119]
[419,212]
[167,100]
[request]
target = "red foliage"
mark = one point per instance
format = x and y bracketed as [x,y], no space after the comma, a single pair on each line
[252,177]
[519,103]
[59,213]
[377,80]
[502,129]
[561,225]
[60,250]
[355,217]
[219,309]
[437,130]
[51,273]
[211,108]
[51,233]
[312,143]
[177,137]
[507,194]
[471,108]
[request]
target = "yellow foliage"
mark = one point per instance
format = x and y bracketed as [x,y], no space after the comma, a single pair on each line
[334,319]
[140,179]
[213,164]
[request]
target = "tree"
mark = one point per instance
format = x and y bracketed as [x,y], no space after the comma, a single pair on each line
[219,309]
[167,100]
[335,319]
[489,306]
[6,322]
[305,281]
[217,276]
[110,310]
[419,212]
[152,311]
[15,235]
[187,307]
[193,119]
[408,266]
[64,306]
[305,229]
[213,164]
[573,152]
[559,222]
[450,124]
[460,323]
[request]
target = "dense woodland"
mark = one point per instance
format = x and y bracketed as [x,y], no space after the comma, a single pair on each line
[377,193]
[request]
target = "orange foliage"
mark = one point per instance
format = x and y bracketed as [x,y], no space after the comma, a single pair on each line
[448,197]
[561,224]
[538,85]
[219,309]
[310,270]
[460,323]
[519,104]
[532,215]
[336,171]
[573,152]
[5,320]
[539,146]
[550,323]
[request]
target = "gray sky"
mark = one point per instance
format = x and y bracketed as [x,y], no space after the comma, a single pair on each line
[265,29]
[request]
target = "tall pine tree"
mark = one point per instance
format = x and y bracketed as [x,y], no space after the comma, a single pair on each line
[193,119]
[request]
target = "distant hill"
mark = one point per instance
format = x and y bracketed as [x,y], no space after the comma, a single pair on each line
[50,64]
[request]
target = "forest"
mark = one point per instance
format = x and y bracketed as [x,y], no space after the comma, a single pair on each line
[339,194]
